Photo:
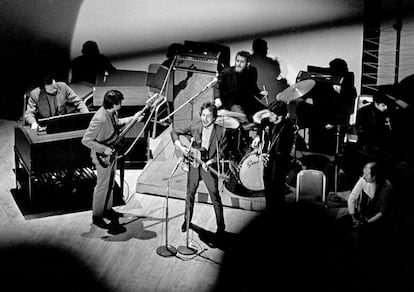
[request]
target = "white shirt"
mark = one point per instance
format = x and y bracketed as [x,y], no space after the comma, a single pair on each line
[361,186]
[205,136]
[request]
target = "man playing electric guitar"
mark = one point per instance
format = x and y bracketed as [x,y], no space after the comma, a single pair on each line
[210,136]
[102,132]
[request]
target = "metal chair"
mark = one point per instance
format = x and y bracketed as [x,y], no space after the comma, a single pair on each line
[311,186]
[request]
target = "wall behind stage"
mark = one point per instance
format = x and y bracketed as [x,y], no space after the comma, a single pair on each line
[294,50]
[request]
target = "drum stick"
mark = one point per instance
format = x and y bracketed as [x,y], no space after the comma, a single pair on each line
[267,102]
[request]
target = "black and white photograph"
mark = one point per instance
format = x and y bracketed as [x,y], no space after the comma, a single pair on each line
[206,145]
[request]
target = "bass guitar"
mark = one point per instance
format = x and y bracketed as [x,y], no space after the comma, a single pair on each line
[106,160]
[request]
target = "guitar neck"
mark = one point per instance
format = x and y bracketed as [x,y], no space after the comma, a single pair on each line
[212,170]
[130,125]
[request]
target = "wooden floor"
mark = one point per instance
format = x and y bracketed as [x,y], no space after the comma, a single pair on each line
[67,253]
[122,262]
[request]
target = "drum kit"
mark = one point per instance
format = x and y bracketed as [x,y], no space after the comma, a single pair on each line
[246,176]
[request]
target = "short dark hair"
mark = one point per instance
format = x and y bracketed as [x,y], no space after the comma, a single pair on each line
[46,80]
[259,46]
[278,107]
[380,97]
[338,66]
[112,97]
[90,48]
[211,107]
[244,54]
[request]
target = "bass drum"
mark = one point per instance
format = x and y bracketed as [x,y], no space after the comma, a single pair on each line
[246,178]
[251,172]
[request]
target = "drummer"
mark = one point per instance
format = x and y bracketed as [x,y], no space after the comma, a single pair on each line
[236,89]
[275,140]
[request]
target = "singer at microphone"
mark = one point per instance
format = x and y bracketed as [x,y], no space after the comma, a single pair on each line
[208,135]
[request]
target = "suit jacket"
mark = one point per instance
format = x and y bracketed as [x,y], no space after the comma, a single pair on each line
[43,105]
[217,137]
[102,131]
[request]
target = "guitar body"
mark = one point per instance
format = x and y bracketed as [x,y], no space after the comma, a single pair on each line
[196,157]
[105,160]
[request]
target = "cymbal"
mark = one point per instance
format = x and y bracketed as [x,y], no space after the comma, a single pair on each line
[296,90]
[226,113]
[227,122]
[251,126]
[257,117]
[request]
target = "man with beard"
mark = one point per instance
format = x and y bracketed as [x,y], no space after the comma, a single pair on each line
[209,138]
[236,87]
[50,99]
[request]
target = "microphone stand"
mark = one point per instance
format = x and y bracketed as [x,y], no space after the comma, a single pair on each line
[168,250]
[337,156]
[186,249]
[211,83]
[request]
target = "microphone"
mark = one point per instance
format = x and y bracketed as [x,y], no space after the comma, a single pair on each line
[388,123]
[212,82]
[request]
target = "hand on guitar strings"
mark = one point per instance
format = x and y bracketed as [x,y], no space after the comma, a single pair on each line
[108,151]
[138,116]
[265,158]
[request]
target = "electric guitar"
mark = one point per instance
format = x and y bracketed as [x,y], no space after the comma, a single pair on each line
[196,155]
[106,160]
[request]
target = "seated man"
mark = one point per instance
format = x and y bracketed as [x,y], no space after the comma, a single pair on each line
[236,88]
[50,99]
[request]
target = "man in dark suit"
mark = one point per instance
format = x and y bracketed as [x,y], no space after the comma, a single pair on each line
[209,138]
[279,135]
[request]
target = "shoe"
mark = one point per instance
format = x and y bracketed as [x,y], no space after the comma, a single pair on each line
[115,228]
[100,222]
[220,230]
[111,214]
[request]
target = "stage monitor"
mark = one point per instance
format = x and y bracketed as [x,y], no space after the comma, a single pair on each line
[66,123]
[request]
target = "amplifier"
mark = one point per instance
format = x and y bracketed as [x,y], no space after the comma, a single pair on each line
[197,63]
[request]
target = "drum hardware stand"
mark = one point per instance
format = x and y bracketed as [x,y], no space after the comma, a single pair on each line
[187,249]
[168,250]
[337,155]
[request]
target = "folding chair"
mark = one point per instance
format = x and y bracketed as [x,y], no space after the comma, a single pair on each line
[311,186]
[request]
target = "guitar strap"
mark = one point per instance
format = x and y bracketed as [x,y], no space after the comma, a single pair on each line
[114,134]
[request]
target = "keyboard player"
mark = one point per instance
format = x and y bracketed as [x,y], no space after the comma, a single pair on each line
[50,99]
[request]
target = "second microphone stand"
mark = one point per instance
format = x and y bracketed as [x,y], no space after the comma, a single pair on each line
[187,249]
[168,250]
